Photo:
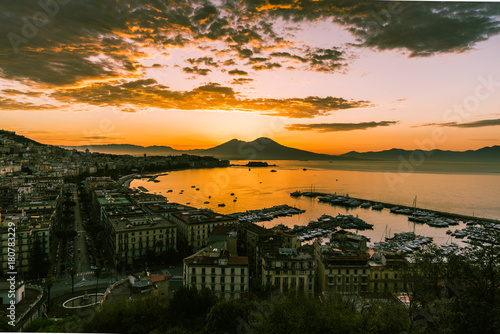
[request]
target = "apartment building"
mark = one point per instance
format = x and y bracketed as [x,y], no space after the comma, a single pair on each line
[289,269]
[342,270]
[28,227]
[195,226]
[133,234]
[218,267]
[386,272]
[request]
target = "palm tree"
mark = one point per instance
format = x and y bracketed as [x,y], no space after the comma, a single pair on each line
[49,281]
[73,272]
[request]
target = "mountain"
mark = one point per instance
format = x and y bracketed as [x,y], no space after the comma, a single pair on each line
[127,149]
[485,154]
[262,149]
[267,149]
[259,149]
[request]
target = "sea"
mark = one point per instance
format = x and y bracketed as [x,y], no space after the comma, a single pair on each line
[464,188]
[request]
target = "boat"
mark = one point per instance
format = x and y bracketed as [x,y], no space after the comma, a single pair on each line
[378,206]
[169,190]
[197,188]
[232,194]
[304,169]
[221,204]
[273,170]
[206,202]
[234,200]
[366,205]
[296,193]
[210,196]
[193,186]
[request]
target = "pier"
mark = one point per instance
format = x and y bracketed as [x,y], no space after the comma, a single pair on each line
[404,209]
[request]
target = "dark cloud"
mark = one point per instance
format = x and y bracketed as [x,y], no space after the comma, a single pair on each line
[196,70]
[229,62]
[14,92]
[288,55]
[267,66]
[337,127]
[476,124]
[422,28]
[237,72]
[150,94]
[241,81]
[11,104]
[208,61]
[256,60]
[54,44]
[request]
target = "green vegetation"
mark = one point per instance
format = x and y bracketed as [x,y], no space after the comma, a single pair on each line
[455,293]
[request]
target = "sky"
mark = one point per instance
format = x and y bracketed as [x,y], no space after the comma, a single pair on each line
[319,75]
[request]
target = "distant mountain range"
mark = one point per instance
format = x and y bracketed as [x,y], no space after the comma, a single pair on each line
[267,149]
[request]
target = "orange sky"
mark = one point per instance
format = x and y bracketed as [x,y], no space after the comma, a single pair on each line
[219,75]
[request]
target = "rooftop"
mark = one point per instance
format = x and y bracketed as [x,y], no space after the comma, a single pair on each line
[202,216]
[139,222]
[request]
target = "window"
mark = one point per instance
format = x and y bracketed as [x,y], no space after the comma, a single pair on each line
[242,271]
[213,270]
[243,280]
[347,272]
[376,275]
[386,275]
[355,271]
[339,272]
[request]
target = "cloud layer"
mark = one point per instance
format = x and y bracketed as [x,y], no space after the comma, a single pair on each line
[93,51]
[476,124]
[212,96]
[337,127]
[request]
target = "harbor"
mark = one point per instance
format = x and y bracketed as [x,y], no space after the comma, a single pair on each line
[266,214]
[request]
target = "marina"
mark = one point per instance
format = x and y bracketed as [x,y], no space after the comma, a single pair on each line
[266,214]
[430,217]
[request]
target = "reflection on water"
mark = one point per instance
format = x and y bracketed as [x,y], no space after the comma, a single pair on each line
[241,189]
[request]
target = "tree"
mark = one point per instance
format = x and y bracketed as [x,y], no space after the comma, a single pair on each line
[73,272]
[49,281]
[39,264]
